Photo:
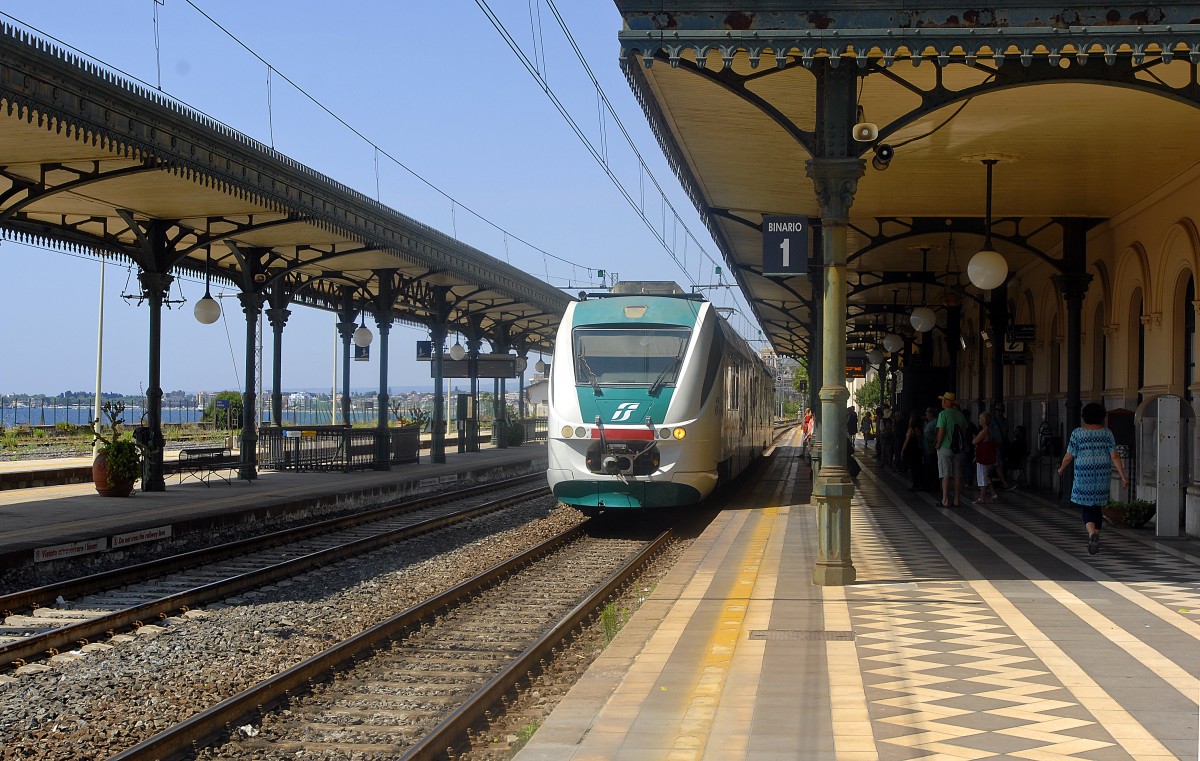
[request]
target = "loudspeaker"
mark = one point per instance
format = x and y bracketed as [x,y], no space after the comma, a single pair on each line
[883,156]
[865,132]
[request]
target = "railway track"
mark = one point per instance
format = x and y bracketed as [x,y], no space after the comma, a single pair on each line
[416,684]
[41,622]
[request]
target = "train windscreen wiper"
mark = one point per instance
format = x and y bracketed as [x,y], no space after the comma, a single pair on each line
[591,376]
[657,386]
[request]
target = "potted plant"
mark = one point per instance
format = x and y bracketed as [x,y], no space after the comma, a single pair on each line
[118,462]
[407,444]
[1132,514]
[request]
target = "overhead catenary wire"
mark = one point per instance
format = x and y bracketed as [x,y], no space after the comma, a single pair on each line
[525,61]
[366,139]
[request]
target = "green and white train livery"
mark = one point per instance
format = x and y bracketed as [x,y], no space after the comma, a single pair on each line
[654,399]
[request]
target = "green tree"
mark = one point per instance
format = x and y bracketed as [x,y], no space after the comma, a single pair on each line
[869,394]
[800,374]
[224,419]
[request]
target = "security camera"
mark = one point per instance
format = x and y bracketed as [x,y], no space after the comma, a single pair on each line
[883,156]
[865,132]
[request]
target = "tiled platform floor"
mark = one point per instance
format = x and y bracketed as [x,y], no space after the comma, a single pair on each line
[971,633]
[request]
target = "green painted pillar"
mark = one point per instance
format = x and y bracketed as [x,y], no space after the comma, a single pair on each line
[836,180]
[835,173]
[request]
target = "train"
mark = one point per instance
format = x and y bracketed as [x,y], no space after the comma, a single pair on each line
[653,400]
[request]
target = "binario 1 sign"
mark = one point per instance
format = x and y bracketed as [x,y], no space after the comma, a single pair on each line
[785,245]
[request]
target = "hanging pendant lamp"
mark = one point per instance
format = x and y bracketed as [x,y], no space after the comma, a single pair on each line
[207,310]
[923,318]
[892,341]
[988,268]
[362,335]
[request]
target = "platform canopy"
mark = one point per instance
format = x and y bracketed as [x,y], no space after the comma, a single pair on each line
[94,162]
[1086,110]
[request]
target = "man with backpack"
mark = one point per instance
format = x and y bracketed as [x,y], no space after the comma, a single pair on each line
[951,447]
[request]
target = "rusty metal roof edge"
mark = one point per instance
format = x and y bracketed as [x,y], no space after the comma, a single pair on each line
[180,137]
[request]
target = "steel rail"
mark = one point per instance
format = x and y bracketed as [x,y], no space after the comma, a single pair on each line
[55,639]
[208,724]
[83,585]
[474,712]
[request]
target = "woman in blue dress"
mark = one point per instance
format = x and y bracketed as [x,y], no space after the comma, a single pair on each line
[1094,452]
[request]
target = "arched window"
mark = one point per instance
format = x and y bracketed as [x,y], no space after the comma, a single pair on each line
[1099,355]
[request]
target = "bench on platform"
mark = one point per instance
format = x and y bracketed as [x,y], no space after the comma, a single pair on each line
[202,463]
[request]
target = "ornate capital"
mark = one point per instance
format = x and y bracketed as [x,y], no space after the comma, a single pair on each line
[836,182]
[155,285]
[1151,320]
[346,329]
[278,317]
[1112,329]
[1073,285]
[252,303]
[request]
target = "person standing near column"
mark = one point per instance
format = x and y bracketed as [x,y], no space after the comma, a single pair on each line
[949,449]
[1094,451]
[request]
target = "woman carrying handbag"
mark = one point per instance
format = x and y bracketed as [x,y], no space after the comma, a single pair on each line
[985,458]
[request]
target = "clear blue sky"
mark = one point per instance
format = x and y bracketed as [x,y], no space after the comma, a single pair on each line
[432,84]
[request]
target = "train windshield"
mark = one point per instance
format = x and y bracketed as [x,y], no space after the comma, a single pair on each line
[629,356]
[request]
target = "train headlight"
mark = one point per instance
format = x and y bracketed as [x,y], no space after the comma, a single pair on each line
[679,433]
[580,431]
[665,433]
[566,431]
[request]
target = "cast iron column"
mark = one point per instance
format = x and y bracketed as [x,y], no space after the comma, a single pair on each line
[278,317]
[383,323]
[953,339]
[346,327]
[1073,283]
[998,317]
[437,439]
[252,304]
[155,286]
[474,342]
[816,353]
[836,180]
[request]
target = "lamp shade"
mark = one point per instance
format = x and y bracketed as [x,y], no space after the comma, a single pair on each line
[875,357]
[987,269]
[207,310]
[363,336]
[540,366]
[892,342]
[922,319]
[457,351]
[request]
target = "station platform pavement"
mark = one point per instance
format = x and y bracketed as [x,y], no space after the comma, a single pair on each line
[76,520]
[977,632]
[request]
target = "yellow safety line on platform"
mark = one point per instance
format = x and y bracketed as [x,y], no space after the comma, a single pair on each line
[853,738]
[695,730]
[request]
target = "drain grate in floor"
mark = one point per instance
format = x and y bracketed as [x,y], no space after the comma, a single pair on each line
[810,635]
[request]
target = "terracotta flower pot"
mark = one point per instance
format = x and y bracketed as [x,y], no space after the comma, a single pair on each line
[100,479]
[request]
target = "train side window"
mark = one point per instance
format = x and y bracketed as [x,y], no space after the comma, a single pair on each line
[733,390]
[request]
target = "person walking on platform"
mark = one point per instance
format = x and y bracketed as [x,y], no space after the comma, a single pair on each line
[851,426]
[951,430]
[912,453]
[985,458]
[865,425]
[806,429]
[999,429]
[1093,450]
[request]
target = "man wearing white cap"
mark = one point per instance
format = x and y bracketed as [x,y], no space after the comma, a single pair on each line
[949,461]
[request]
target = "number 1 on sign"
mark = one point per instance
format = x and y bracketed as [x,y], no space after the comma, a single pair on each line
[785,246]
